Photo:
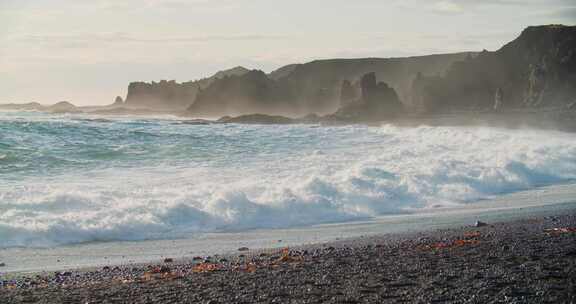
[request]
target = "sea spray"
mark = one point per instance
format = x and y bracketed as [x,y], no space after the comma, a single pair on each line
[78,178]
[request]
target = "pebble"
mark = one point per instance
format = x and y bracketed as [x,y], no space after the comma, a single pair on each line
[512,262]
[480,224]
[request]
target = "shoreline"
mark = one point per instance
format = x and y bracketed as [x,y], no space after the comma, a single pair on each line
[518,261]
[556,119]
[22,261]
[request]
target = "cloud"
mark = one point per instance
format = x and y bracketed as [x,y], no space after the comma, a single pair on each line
[165,4]
[446,6]
[106,39]
[460,6]
[568,14]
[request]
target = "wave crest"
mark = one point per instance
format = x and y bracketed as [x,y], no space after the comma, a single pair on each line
[362,173]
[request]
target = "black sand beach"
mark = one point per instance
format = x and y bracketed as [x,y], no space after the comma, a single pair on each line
[527,261]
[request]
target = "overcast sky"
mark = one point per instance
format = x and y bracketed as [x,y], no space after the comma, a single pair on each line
[87,51]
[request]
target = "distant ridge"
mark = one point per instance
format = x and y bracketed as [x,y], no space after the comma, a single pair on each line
[170,95]
[309,87]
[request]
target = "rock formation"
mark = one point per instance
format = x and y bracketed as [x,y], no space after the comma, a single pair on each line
[170,95]
[118,102]
[63,107]
[378,101]
[347,93]
[313,87]
[498,99]
[260,119]
[253,92]
[317,86]
[538,69]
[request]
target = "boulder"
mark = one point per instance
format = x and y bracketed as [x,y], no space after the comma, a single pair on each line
[261,119]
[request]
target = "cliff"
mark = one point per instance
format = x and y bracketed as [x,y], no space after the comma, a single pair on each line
[317,84]
[315,87]
[170,95]
[538,69]
[252,92]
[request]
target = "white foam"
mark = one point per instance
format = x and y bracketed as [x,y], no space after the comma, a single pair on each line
[363,172]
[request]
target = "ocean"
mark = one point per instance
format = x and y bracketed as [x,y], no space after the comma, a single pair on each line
[69,179]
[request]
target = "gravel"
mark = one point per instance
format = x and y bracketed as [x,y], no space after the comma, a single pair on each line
[515,262]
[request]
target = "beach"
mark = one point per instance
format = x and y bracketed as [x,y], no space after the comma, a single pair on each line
[148,210]
[532,260]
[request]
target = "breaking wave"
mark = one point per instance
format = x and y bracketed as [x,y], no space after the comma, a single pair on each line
[65,181]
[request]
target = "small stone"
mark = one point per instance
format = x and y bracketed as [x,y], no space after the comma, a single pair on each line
[480,224]
[165,269]
[2,264]
[243,249]
[168,260]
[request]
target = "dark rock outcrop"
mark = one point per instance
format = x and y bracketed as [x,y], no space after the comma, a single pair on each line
[253,92]
[378,101]
[63,107]
[320,87]
[347,93]
[538,69]
[262,119]
[313,87]
[170,95]
[118,102]
[316,87]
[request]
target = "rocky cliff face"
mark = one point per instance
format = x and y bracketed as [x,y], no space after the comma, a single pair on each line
[170,95]
[317,87]
[348,93]
[253,92]
[538,69]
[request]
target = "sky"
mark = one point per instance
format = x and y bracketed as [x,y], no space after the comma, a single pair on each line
[88,51]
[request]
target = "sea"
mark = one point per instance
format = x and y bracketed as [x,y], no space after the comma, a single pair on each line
[81,190]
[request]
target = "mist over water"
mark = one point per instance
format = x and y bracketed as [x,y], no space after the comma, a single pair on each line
[78,178]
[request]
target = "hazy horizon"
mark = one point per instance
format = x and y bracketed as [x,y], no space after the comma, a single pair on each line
[86,52]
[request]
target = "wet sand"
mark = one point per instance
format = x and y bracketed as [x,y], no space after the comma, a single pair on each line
[526,261]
